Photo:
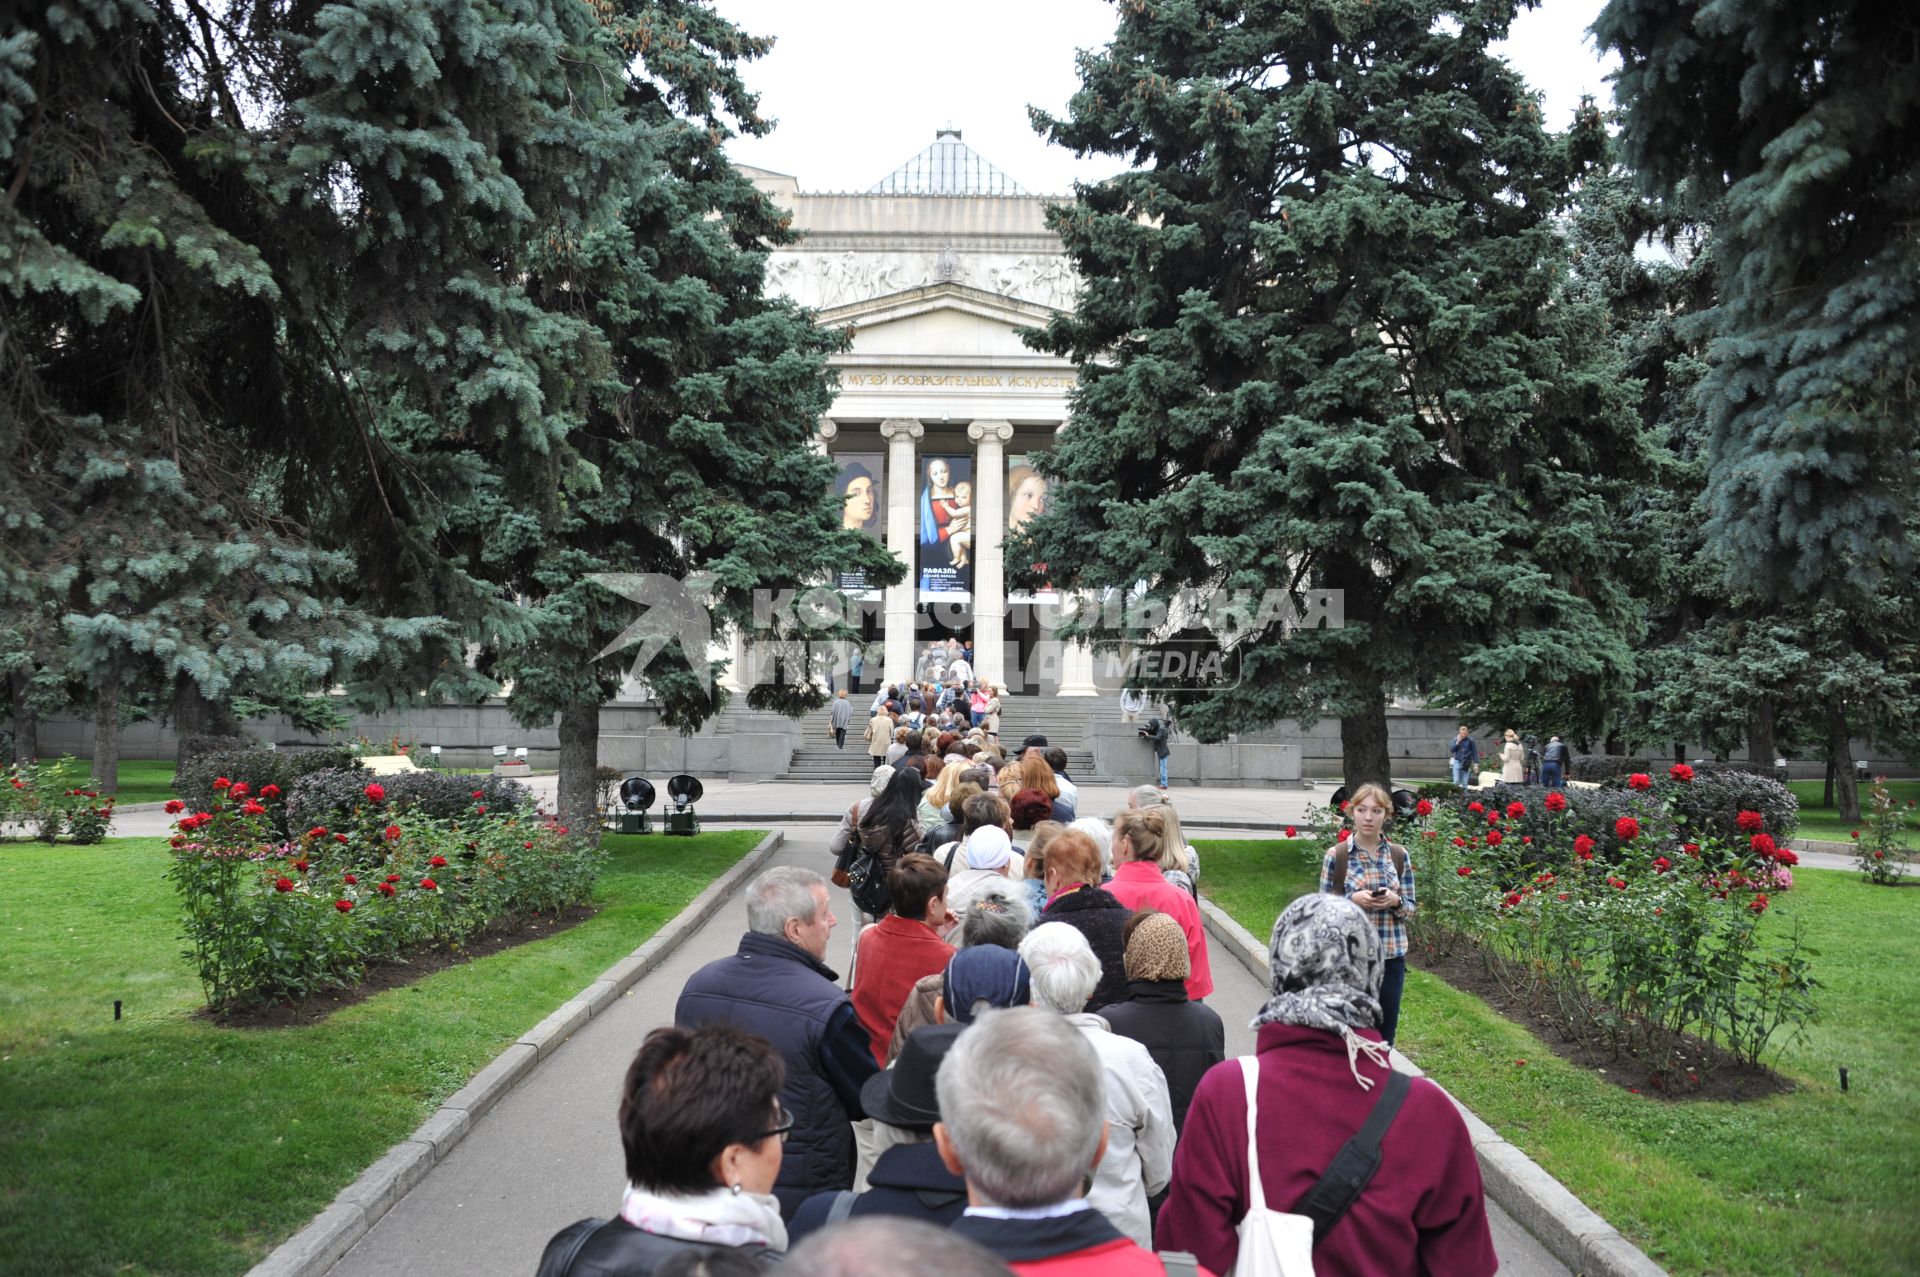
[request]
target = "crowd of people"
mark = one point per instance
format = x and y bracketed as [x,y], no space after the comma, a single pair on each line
[1523,760]
[1021,1072]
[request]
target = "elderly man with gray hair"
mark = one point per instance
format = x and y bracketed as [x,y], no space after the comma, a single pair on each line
[779,986]
[1022,1098]
[1140,1132]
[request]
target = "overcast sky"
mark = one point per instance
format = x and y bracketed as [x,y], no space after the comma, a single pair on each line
[859,86]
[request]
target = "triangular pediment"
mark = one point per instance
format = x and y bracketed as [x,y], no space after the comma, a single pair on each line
[951,318]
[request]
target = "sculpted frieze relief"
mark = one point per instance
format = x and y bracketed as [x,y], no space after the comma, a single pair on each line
[825,279]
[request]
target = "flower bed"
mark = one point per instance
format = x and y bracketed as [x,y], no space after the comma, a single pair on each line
[271,918]
[48,800]
[1624,915]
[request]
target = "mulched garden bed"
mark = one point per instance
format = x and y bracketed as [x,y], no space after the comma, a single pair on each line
[393,975]
[1725,1078]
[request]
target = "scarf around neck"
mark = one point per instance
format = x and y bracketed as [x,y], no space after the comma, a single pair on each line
[1325,955]
[719,1217]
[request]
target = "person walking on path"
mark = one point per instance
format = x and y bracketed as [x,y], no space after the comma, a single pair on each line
[1376,875]
[879,736]
[991,719]
[1318,1071]
[1156,733]
[839,716]
[779,986]
[1554,764]
[1513,760]
[1138,883]
[703,1132]
[1465,755]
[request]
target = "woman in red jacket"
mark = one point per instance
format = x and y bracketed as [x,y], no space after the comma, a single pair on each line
[903,947]
[1321,1061]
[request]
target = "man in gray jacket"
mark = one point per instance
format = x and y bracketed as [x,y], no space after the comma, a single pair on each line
[838,716]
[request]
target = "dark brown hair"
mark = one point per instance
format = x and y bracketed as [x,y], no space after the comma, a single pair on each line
[1030,807]
[914,881]
[689,1094]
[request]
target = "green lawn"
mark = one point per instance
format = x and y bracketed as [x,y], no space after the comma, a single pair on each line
[142,780]
[1816,1181]
[1824,823]
[163,1144]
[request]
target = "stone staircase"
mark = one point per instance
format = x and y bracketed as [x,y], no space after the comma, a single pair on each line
[821,762]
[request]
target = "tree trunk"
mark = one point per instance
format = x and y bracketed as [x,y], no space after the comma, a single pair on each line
[26,723]
[195,715]
[579,760]
[1826,792]
[1846,796]
[106,730]
[1363,744]
[1760,733]
[1615,745]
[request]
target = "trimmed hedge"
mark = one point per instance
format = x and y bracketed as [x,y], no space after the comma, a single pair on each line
[1714,799]
[193,780]
[329,797]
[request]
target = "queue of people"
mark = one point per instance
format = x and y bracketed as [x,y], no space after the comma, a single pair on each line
[1031,1081]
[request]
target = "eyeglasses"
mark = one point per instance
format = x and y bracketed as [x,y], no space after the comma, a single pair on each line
[783,1124]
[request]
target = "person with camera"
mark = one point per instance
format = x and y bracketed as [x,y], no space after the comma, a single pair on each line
[1377,875]
[1156,734]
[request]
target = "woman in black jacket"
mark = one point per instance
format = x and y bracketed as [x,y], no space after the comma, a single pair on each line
[1075,897]
[702,1126]
[1184,1038]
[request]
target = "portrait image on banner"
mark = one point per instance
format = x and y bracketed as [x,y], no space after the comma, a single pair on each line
[1026,498]
[945,509]
[863,505]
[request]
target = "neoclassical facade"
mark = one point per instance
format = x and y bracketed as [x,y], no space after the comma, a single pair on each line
[933,272]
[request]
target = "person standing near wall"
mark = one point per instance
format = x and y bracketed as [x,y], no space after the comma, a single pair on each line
[1465,755]
[1156,733]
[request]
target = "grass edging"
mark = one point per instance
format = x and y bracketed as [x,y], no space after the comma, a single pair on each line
[317,1247]
[1572,1231]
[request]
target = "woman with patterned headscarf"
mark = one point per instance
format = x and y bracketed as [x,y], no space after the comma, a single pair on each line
[1320,1065]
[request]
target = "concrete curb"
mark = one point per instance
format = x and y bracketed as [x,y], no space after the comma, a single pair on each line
[1542,1205]
[317,1247]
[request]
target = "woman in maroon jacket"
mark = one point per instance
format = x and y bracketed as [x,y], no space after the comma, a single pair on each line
[1321,1059]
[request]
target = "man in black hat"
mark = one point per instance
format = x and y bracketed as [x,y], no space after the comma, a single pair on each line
[908,1179]
[1035,741]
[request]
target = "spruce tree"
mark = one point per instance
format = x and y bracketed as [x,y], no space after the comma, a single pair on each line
[1800,121]
[1326,339]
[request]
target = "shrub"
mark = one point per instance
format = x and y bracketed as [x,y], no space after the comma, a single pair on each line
[285,919]
[45,800]
[1711,804]
[329,797]
[256,768]
[1882,853]
[1605,767]
[191,747]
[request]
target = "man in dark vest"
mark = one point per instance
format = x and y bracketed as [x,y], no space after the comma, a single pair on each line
[777,986]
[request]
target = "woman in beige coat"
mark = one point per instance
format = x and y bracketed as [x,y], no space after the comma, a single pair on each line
[992,720]
[1513,760]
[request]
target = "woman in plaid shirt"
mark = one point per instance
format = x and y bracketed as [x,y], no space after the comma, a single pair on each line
[1379,879]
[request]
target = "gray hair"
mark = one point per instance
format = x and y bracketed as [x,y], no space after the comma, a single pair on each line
[780,895]
[889,1246]
[1063,966]
[996,916]
[1023,1099]
[1102,834]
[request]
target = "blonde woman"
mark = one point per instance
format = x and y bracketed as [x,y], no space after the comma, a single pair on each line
[1377,875]
[1179,859]
[939,795]
[992,720]
[1513,760]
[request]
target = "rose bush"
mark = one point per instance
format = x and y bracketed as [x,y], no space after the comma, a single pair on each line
[255,768]
[1881,851]
[48,800]
[273,918]
[330,797]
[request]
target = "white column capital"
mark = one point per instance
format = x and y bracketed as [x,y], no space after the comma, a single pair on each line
[899,428]
[829,430]
[994,431]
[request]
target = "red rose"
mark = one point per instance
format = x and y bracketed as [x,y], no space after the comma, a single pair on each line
[480,811]
[1626,829]
[393,877]
[318,831]
[1513,898]
[1430,833]
[479,793]
[1544,879]
[1691,848]
[438,862]
[561,830]
[1345,803]
[1639,780]
[1291,832]
[283,884]
[339,837]
[1855,834]
[350,879]
[1475,808]
[1751,821]
[1583,847]
[221,782]
[1759,903]
[1661,864]
[527,845]
[375,792]
[1561,896]
[175,807]
[1526,840]
[1423,808]
[384,888]
[1459,841]
[1465,871]
[428,884]
[1618,884]
[1787,856]
[393,833]
[344,906]
[1493,818]
[1681,772]
[301,865]
[1556,801]
[239,790]
[1879,855]
[269,791]
[1495,837]
[1516,810]
[252,808]
[1762,845]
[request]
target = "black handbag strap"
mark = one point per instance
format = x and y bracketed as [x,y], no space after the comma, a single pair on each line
[1353,1166]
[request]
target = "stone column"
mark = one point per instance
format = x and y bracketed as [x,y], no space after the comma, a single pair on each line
[901,437]
[823,438]
[1076,665]
[989,563]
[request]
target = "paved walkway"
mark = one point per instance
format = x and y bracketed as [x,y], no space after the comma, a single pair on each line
[549,1154]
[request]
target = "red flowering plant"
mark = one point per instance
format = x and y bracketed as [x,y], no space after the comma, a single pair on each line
[1884,850]
[49,801]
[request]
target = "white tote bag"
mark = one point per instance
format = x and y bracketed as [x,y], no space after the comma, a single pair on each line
[1272,1243]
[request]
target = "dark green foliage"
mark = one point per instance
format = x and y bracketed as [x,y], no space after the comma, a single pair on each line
[1794,120]
[1712,802]
[333,797]
[1328,339]
[254,767]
